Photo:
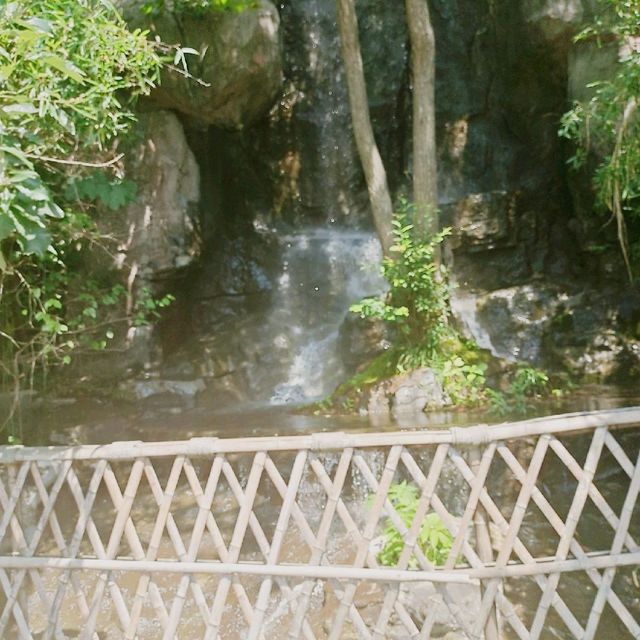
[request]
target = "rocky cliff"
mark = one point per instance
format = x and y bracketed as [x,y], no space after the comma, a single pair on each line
[270,130]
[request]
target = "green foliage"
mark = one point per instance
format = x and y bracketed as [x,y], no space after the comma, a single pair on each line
[464,382]
[527,383]
[195,7]
[417,304]
[434,539]
[607,128]
[147,307]
[70,72]
[98,187]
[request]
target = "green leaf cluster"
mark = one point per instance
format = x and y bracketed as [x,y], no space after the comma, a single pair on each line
[195,7]
[606,129]
[434,539]
[417,304]
[464,381]
[69,72]
[99,187]
[528,383]
[417,307]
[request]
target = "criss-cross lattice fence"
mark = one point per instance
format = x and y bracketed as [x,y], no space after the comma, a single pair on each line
[524,530]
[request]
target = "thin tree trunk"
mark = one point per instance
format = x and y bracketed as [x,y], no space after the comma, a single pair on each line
[374,171]
[423,69]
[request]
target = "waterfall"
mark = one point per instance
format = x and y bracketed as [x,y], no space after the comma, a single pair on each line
[323,272]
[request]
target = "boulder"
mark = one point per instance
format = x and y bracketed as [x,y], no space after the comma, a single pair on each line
[482,221]
[408,394]
[238,73]
[593,335]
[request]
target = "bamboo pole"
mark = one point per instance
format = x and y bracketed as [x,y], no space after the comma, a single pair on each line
[524,555]
[480,468]
[506,608]
[367,536]
[618,542]
[579,500]
[246,503]
[576,549]
[343,579]
[410,541]
[73,549]
[204,500]
[319,548]
[260,608]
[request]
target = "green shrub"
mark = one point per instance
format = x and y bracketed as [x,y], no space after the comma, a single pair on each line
[434,539]
[417,304]
[527,383]
[70,72]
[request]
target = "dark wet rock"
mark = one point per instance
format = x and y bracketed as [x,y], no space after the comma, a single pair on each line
[361,340]
[300,163]
[183,388]
[482,221]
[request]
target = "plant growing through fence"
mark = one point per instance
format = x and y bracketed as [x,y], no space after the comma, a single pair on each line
[434,539]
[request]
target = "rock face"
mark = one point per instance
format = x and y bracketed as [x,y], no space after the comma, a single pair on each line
[524,242]
[300,164]
[238,72]
[593,335]
[157,240]
[160,223]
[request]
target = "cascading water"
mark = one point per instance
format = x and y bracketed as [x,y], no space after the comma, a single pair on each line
[323,272]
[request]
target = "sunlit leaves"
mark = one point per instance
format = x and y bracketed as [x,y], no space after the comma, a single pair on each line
[434,539]
[417,302]
[70,71]
[607,127]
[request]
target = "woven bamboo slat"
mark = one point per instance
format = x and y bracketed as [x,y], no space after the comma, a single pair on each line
[279,538]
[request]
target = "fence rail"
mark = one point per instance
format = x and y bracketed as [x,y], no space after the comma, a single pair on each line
[533,534]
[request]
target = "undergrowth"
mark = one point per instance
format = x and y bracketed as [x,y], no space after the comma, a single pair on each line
[417,312]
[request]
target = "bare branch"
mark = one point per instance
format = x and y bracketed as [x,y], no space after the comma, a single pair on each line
[76,163]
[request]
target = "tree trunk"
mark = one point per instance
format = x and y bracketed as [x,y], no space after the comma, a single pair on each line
[423,69]
[374,171]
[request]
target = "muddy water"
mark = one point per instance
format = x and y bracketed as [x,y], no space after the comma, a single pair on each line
[69,421]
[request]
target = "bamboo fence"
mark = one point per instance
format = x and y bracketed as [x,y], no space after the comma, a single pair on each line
[268,538]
